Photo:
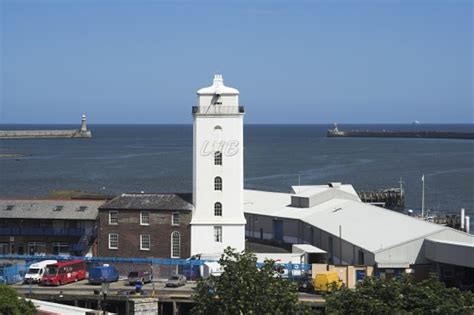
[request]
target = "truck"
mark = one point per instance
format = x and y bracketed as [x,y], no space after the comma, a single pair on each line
[101,274]
[35,271]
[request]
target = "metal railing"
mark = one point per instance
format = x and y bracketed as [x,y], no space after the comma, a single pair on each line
[218,110]
[42,231]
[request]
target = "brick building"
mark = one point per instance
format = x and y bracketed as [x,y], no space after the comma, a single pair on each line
[48,226]
[146,225]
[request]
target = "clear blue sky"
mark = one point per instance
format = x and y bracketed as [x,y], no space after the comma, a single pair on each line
[139,61]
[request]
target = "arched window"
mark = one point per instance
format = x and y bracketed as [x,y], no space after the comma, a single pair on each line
[175,244]
[218,158]
[217,183]
[218,209]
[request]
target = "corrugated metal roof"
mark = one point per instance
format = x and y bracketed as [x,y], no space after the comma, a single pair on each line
[49,209]
[369,227]
[148,201]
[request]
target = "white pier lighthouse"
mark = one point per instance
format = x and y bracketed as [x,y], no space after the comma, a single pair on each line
[218,170]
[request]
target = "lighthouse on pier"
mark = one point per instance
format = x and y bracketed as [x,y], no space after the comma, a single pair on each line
[218,170]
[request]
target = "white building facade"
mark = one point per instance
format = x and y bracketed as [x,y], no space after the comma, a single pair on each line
[218,172]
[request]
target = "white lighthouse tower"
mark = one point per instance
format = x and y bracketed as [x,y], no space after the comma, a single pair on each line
[218,170]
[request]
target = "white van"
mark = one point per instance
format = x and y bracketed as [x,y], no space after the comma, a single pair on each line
[36,271]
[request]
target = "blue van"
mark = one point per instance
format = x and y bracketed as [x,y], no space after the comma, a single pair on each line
[98,275]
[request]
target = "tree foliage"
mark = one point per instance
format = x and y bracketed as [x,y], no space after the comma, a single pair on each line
[11,304]
[243,288]
[400,296]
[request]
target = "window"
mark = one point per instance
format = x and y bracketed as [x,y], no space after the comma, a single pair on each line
[175,218]
[218,158]
[61,249]
[144,218]
[113,217]
[218,183]
[145,242]
[175,240]
[218,209]
[218,234]
[113,240]
[36,248]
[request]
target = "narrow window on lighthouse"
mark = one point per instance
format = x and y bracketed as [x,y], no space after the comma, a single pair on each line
[218,209]
[218,183]
[218,158]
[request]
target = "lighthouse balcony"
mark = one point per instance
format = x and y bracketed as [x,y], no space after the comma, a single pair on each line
[218,110]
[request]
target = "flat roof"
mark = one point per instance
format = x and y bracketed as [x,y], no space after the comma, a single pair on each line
[364,225]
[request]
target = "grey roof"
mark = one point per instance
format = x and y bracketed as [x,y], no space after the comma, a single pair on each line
[148,201]
[49,209]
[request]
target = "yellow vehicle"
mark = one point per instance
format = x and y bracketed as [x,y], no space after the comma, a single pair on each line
[323,281]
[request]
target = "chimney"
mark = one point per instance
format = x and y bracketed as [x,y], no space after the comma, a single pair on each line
[463,215]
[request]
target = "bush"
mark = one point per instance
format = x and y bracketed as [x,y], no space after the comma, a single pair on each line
[12,304]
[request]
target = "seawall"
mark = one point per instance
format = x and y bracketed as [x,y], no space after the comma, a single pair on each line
[39,134]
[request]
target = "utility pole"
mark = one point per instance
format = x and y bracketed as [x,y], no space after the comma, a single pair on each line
[340,244]
[423,198]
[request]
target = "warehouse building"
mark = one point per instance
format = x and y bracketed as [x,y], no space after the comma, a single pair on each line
[333,218]
[48,227]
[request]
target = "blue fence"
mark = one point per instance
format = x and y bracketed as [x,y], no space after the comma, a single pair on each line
[14,267]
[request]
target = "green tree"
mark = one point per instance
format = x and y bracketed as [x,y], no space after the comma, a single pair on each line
[243,288]
[400,296]
[12,304]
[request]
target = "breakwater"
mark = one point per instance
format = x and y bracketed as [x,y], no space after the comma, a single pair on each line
[28,134]
[82,132]
[399,134]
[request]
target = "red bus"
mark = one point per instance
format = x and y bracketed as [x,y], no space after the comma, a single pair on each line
[64,272]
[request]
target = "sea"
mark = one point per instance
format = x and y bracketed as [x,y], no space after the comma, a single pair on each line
[158,158]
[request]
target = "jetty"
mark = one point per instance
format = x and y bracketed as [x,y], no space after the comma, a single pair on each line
[82,132]
[335,132]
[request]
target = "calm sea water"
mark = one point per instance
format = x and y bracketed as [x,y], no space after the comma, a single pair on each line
[158,158]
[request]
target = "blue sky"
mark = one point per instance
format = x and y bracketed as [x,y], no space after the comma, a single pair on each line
[384,61]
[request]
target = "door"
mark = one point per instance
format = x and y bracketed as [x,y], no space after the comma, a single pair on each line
[278,230]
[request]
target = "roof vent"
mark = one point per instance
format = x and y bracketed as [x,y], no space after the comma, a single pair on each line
[58,208]
[82,208]
[9,207]
[334,184]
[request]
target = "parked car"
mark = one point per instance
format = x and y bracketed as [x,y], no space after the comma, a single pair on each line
[176,281]
[143,276]
[105,273]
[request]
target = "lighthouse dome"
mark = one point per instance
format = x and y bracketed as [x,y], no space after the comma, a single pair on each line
[218,88]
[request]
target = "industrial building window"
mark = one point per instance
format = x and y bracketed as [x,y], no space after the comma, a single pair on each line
[218,209]
[144,218]
[175,244]
[113,217]
[61,249]
[175,218]
[217,183]
[145,242]
[113,240]
[218,234]
[36,248]
[360,259]
[218,158]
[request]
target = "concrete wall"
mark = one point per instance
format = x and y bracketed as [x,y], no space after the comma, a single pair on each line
[346,273]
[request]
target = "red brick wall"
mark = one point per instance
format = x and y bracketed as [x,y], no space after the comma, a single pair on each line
[129,230]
